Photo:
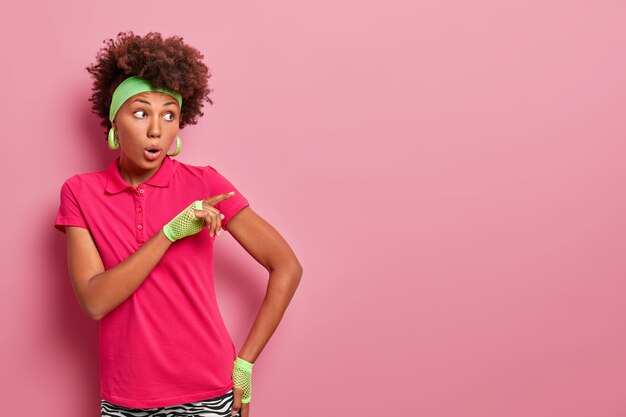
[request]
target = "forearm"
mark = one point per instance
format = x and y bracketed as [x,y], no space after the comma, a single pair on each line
[109,289]
[282,285]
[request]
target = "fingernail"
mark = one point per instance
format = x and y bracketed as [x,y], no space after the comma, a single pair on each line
[222,216]
[211,234]
[232,192]
[218,232]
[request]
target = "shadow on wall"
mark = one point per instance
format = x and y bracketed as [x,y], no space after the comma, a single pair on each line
[70,331]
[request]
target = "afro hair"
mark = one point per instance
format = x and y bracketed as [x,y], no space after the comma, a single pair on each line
[165,63]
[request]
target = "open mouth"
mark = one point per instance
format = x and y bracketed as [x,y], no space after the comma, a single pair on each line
[152,152]
[153,149]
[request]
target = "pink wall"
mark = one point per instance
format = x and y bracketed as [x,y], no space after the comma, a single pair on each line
[450,175]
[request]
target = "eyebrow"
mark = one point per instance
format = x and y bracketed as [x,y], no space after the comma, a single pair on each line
[147,102]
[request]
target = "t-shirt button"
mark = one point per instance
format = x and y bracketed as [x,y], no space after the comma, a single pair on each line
[138,209]
[139,227]
[141,191]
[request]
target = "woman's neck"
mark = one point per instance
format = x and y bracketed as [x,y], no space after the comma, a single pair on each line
[134,175]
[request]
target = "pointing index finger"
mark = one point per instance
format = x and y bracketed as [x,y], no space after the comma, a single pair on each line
[219,197]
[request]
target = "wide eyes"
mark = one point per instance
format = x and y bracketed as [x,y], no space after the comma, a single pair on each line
[170,116]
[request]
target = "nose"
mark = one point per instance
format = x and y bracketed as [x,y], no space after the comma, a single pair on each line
[154,129]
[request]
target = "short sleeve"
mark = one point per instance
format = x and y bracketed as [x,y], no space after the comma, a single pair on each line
[69,213]
[218,184]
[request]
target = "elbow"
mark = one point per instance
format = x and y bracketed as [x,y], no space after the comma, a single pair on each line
[291,265]
[295,269]
[296,273]
[290,270]
[92,305]
[91,310]
[93,313]
[300,270]
[96,317]
[96,313]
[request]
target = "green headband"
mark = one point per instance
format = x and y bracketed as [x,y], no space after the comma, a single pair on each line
[135,85]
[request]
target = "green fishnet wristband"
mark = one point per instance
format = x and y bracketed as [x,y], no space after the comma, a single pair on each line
[242,378]
[185,223]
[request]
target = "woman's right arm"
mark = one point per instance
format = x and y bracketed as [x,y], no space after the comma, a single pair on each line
[100,291]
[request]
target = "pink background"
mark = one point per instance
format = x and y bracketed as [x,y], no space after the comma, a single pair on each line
[450,175]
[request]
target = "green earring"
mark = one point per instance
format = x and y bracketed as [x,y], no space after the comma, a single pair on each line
[178,146]
[113,139]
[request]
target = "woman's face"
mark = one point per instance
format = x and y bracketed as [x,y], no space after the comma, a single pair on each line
[147,124]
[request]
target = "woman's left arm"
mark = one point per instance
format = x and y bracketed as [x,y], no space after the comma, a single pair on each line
[267,246]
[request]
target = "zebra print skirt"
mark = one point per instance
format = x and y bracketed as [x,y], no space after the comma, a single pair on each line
[214,407]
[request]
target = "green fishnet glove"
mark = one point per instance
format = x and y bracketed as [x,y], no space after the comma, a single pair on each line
[185,223]
[242,378]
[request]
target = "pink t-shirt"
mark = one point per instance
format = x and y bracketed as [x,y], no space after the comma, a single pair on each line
[167,343]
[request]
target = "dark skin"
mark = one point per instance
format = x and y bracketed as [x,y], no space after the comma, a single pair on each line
[151,118]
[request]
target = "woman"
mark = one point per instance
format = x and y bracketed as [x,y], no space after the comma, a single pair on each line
[140,243]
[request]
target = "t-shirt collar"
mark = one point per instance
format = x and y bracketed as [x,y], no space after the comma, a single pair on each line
[116,184]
